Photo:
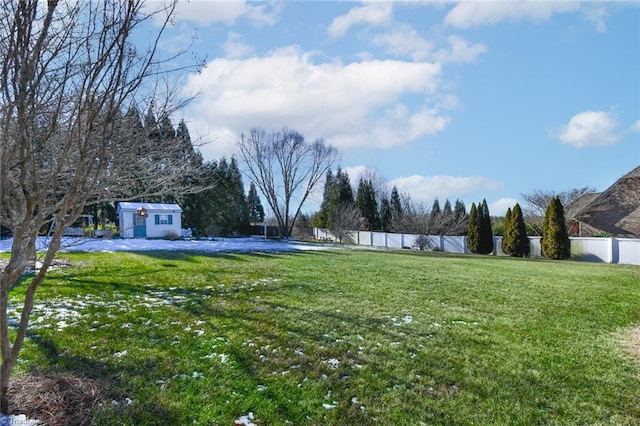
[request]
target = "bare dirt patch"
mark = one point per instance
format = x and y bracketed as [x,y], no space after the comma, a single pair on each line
[56,400]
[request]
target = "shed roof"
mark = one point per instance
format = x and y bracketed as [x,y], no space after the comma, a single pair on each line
[149,206]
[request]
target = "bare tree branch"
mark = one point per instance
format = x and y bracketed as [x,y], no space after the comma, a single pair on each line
[69,69]
[286,169]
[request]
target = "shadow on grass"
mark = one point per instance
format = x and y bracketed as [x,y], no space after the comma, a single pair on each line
[112,398]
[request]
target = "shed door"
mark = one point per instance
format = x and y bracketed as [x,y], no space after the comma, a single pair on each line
[139,226]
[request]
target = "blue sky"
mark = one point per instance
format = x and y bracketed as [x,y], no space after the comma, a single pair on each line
[444,99]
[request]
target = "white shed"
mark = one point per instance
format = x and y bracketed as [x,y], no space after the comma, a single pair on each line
[149,220]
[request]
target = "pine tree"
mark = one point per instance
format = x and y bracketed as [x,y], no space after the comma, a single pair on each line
[486,233]
[507,245]
[385,214]
[321,219]
[515,240]
[473,230]
[555,239]
[395,203]
[256,211]
[434,218]
[520,240]
[367,204]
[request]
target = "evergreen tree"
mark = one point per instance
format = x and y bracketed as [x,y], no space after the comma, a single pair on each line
[507,244]
[166,132]
[435,226]
[395,203]
[366,203]
[460,211]
[555,239]
[385,214]
[343,192]
[151,126]
[486,233]
[237,217]
[322,217]
[256,211]
[187,151]
[473,230]
[519,233]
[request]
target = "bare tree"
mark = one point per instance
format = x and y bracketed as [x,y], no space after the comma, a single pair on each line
[415,219]
[345,218]
[286,169]
[69,69]
[536,203]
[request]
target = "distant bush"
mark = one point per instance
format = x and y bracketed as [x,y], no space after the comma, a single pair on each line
[422,242]
[171,235]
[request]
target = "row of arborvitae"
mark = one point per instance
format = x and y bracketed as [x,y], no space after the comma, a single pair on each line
[555,242]
[479,232]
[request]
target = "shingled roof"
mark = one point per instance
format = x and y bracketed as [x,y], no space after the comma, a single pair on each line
[615,211]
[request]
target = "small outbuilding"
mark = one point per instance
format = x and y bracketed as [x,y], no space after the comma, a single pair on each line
[149,220]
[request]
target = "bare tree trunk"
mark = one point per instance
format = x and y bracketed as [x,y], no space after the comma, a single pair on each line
[68,70]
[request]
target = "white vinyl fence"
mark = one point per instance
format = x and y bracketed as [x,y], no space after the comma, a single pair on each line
[609,250]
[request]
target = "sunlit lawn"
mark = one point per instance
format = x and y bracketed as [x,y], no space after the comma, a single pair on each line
[343,337]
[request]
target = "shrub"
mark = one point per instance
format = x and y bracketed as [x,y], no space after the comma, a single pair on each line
[555,242]
[515,242]
[422,242]
[473,230]
[506,243]
[171,235]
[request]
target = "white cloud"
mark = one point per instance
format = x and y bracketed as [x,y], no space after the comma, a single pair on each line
[475,14]
[355,104]
[499,207]
[636,126]
[205,12]
[427,188]
[404,40]
[355,172]
[234,47]
[589,128]
[461,51]
[597,16]
[377,13]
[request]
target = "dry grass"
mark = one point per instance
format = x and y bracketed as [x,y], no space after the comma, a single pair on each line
[56,400]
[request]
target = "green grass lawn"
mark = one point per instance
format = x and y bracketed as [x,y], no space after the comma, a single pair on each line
[343,338]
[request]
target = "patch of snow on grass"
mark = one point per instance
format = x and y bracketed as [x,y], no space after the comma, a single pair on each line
[246,420]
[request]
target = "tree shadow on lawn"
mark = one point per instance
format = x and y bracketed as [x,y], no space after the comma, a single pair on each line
[239,256]
[72,389]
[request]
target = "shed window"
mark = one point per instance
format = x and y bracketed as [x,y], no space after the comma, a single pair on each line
[164,219]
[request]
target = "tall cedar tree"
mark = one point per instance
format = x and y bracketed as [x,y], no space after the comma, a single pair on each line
[446,218]
[395,204]
[555,242]
[322,217]
[337,194]
[515,238]
[486,233]
[522,248]
[459,211]
[434,218]
[341,196]
[506,245]
[385,214]
[256,211]
[366,203]
[473,230]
